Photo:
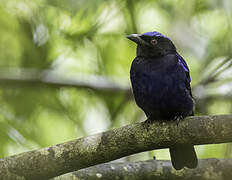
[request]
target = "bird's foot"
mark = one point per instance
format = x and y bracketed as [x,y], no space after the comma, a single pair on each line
[177,119]
[146,124]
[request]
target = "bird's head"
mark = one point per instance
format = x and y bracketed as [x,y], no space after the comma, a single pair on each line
[152,44]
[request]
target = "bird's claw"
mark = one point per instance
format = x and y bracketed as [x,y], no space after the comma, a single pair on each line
[177,119]
[146,124]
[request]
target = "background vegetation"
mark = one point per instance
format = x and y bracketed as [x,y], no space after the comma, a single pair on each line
[85,40]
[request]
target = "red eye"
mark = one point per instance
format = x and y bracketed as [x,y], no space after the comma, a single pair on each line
[153,41]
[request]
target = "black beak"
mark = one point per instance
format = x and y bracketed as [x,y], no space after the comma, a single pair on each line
[137,39]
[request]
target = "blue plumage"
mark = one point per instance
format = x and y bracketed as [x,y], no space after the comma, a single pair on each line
[161,86]
[155,33]
[184,65]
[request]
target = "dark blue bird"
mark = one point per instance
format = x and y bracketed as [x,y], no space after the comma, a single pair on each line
[161,87]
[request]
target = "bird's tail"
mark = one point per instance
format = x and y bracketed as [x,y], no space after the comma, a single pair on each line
[183,156]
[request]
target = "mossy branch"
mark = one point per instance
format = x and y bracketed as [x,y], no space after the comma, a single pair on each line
[208,169]
[107,146]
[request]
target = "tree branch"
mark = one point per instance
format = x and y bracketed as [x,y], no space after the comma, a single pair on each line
[33,77]
[107,146]
[47,78]
[153,169]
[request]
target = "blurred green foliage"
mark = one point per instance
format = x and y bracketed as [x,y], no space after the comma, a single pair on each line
[85,37]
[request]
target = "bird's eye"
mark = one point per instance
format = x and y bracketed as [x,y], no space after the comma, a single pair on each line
[153,41]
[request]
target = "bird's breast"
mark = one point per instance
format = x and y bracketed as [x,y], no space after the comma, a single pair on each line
[158,83]
[153,78]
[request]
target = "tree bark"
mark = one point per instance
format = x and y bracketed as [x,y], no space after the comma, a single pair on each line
[208,169]
[107,146]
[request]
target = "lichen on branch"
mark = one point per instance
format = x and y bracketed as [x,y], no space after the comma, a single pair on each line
[113,144]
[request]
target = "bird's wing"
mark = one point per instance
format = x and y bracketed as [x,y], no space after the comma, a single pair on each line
[184,65]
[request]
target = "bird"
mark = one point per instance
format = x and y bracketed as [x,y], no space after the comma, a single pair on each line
[160,80]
